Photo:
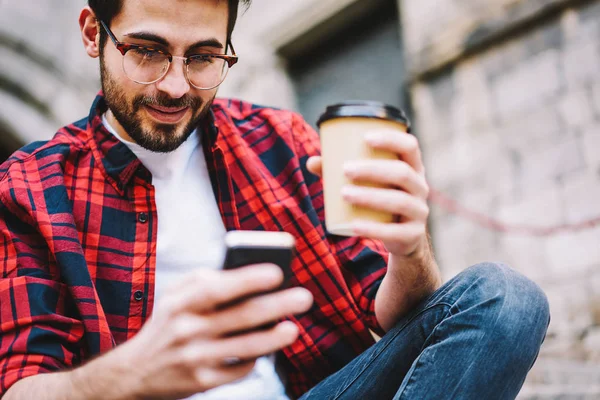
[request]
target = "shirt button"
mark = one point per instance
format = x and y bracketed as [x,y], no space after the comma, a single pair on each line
[143,217]
[138,295]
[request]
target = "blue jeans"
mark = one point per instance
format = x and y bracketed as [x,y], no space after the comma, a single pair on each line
[476,337]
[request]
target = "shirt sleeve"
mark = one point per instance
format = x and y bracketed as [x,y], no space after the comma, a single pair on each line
[38,332]
[363,261]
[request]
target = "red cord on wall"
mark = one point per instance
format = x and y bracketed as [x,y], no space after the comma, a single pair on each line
[488,222]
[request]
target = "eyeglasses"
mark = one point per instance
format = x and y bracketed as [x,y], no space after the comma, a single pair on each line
[147,65]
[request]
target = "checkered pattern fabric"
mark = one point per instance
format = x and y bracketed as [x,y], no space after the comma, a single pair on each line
[78,228]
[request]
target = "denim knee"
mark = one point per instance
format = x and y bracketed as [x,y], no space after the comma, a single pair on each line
[518,306]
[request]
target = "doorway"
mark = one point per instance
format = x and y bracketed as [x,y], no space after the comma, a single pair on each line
[361,61]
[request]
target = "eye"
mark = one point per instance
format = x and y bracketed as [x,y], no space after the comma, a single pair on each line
[202,59]
[148,54]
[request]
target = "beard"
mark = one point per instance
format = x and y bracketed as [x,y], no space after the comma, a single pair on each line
[156,137]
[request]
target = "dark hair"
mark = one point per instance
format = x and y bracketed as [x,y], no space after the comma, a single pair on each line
[106,10]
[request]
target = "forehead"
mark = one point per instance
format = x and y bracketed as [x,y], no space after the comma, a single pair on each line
[175,20]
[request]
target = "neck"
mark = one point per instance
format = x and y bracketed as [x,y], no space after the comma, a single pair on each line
[110,117]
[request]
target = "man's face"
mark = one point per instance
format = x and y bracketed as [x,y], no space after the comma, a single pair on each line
[162,115]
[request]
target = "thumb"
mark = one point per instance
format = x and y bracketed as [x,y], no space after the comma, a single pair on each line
[314,165]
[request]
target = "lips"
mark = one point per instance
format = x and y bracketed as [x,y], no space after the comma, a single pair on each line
[167,115]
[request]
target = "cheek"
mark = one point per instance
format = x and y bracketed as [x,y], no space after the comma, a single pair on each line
[207,96]
[113,63]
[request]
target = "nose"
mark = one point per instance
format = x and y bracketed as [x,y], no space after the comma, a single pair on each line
[175,82]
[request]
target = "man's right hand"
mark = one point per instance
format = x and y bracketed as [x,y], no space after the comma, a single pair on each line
[188,344]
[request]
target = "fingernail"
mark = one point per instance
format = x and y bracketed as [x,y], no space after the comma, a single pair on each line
[361,224]
[303,296]
[350,169]
[348,191]
[373,138]
[288,327]
[270,271]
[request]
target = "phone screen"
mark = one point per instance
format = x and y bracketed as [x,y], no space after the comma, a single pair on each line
[259,247]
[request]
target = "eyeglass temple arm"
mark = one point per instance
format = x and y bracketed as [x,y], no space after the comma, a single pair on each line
[234,57]
[231,47]
[111,35]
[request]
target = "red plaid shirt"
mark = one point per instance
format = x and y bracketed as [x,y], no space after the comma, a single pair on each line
[78,227]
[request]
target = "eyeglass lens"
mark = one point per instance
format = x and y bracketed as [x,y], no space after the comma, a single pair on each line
[147,66]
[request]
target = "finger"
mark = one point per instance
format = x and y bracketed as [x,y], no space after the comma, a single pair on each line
[247,346]
[394,201]
[405,145]
[206,291]
[388,172]
[260,310]
[402,232]
[315,166]
[252,313]
[209,378]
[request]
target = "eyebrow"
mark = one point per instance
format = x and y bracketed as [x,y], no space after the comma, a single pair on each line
[151,37]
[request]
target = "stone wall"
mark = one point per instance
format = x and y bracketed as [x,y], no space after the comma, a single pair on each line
[512,130]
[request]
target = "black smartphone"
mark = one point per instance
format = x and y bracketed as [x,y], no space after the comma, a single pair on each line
[260,247]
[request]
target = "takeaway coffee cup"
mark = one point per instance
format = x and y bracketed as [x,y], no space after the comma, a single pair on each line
[343,128]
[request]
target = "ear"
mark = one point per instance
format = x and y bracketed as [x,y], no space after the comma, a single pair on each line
[90,32]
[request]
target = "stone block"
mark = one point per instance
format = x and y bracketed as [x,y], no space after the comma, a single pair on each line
[591,342]
[465,159]
[558,159]
[526,254]
[572,302]
[560,372]
[476,196]
[591,146]
[451,243]
[432,128]
[595,94]
[533,129]
[473,107]
[559,330]
[502,58]
[581,61]
[420,19]
[482,247]
[576,109]
[594,282]
[581,195]
[555,347]
[488,167]
[545,80]
[573,253]
[542,208]
[527,84]
[442,168]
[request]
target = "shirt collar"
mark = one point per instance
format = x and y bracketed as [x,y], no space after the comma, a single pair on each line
[160,165]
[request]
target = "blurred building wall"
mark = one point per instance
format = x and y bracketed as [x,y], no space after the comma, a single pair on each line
[46,79]
[506,99]
[507,102]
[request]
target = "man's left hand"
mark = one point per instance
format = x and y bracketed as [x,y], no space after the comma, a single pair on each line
[405,196]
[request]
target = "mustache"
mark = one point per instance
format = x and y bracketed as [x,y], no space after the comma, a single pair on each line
[166,101]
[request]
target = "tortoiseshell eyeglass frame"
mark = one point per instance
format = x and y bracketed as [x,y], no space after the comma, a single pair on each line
[123,48]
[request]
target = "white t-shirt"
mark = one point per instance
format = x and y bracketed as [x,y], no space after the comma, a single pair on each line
[190,236]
